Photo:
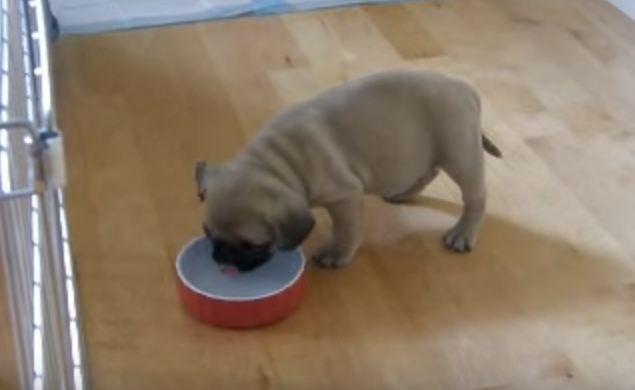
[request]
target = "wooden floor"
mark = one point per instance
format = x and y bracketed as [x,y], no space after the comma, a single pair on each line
[547,301]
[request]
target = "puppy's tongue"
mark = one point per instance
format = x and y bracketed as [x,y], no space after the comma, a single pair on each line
[229,271]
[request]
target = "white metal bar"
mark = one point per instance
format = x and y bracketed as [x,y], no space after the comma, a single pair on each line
[19,320]
[33,230]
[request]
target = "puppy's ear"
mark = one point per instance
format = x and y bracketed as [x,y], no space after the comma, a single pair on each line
[293,227]
[202,175]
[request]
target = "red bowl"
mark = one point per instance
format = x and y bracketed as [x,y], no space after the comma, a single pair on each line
[245,300]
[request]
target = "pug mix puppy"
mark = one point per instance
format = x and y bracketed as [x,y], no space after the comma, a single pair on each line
[386,134]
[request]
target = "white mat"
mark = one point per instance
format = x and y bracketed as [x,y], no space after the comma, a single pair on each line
[93,16]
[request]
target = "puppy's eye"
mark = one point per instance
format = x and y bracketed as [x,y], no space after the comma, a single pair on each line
[264,246]
[261,248]
[246,244]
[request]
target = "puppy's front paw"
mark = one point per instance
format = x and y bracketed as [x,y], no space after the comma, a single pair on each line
[459,239]
[329,257]
[397,199]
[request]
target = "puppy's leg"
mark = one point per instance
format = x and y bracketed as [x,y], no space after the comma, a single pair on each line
[346,216]
[415,189]
[470,178]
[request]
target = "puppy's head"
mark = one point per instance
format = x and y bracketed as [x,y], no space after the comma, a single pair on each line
[248,215]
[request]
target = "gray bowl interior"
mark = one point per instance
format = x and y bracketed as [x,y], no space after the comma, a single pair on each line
[201,273]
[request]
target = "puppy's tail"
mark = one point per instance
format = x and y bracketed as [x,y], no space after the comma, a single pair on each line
[490,148]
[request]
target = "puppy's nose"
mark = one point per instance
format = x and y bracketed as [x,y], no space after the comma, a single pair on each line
[219,253]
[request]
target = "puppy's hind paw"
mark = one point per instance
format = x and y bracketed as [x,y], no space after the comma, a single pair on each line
[459,240]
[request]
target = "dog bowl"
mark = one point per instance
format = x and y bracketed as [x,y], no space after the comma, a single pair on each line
[251,299]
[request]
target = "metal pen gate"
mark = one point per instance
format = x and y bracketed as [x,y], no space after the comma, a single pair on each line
[34,242]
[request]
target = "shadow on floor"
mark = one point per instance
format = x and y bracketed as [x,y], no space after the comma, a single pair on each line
[404,282]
